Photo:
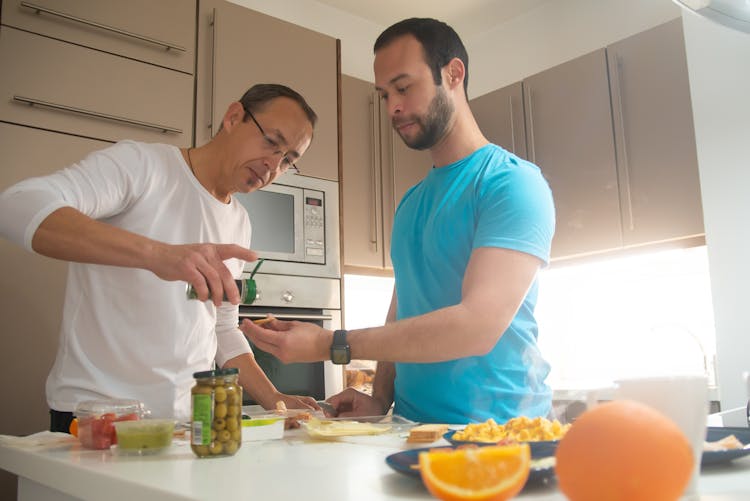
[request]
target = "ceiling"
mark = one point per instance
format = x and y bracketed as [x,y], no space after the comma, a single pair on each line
[467,17]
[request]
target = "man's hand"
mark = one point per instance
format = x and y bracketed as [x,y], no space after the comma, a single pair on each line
[202,266]
[352,403]
[296,402]
[290,341]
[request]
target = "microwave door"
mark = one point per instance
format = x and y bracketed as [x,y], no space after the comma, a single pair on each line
[276,217]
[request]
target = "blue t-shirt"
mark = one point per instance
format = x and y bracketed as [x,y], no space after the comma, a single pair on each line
[490,198]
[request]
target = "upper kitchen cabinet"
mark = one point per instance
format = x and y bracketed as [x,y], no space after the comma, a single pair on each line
[654,136]
[238,47]
[499,115]
[569,136]
[160,33]
[613,133]
[378,169]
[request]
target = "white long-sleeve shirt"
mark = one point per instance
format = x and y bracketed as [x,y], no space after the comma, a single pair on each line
[125,332]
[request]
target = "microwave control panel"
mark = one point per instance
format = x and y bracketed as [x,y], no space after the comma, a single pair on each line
[315,224]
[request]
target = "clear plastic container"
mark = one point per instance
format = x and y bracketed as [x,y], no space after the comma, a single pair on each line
[144,436]
[216,425]
[96,420]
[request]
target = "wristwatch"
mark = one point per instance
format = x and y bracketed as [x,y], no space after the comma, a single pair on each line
[340,352]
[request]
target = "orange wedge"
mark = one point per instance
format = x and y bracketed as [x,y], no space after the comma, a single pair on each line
[73,428]
[488,473]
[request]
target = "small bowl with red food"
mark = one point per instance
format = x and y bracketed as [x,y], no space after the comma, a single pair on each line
[96,418]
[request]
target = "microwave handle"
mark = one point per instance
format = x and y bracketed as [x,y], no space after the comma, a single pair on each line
[286,316]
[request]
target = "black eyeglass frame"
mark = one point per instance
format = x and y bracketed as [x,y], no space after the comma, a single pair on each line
[271,141]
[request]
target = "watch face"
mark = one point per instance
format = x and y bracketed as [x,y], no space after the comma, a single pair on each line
[340,355]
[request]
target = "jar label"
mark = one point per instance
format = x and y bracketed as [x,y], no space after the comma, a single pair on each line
[200,432]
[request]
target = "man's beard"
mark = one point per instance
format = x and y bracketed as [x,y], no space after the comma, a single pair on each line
[433,124]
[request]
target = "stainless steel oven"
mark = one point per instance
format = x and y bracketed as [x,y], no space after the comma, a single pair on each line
[306,299]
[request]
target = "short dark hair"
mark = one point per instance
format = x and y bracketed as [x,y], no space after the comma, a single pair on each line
[257,96]
[440,44]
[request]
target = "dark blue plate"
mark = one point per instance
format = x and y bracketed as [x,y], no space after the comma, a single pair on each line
[404,462]
[539,449]
[717,433]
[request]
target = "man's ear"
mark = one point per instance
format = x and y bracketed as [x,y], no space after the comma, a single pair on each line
[454,73]
[235,114]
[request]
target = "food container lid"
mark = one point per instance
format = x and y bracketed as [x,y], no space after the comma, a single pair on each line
[118,407]
[216,373]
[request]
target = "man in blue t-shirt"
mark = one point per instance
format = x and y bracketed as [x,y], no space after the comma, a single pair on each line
[459,344]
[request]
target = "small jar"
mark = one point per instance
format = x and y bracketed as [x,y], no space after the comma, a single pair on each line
[247,287]
[216,425]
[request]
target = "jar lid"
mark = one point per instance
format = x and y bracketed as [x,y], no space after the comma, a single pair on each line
[118,407]
[216,373]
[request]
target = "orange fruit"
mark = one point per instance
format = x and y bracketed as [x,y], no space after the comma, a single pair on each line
[483,473]
[73,428]
[623,451]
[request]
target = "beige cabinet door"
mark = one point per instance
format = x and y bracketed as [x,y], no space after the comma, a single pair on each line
[33,286]
[653,122]
[403,167]
[361,188]
[238,47]
[499,115]
[160,33]
[569,131]
[90,93]
[378,169]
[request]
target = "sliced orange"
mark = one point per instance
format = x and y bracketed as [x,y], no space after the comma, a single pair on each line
[488,473]
[73,428]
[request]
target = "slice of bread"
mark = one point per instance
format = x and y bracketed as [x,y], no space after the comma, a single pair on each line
[426,433]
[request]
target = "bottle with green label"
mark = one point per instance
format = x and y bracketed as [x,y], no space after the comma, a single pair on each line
[246,286]
[248,291]
[216,424]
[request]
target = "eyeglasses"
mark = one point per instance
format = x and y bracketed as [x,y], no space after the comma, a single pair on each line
[271,143]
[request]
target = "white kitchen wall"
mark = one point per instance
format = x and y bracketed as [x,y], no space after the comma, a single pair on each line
[719,69]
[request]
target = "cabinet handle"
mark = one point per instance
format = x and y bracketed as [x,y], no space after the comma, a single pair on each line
[373,171]
[39,9]
[95,114]
[512,125]
[531,128]
[625,162]
[212,24]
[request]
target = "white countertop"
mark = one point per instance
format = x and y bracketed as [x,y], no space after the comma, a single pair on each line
[295,467]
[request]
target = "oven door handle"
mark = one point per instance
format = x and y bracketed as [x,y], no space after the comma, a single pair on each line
[286,316]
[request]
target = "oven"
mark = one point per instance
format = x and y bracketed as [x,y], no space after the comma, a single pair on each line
[306,299]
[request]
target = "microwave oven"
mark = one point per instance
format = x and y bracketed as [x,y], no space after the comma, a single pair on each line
[295,226]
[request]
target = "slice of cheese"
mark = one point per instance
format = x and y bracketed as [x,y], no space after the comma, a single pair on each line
[344,428]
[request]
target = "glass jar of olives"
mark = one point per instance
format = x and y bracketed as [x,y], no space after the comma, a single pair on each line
[216,426]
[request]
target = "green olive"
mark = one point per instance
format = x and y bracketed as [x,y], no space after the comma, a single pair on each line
[202,390]
[233,398]
[216,448]
[237,435]
[231,447]
[219,424]
[201,450]
[224,435]
[220,410]
[232,424]
[233,410]
[213,435]
[220,394]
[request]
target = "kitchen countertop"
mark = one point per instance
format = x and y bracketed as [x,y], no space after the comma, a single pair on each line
[291,468]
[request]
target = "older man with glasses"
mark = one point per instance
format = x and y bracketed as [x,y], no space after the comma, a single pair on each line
[137,221]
